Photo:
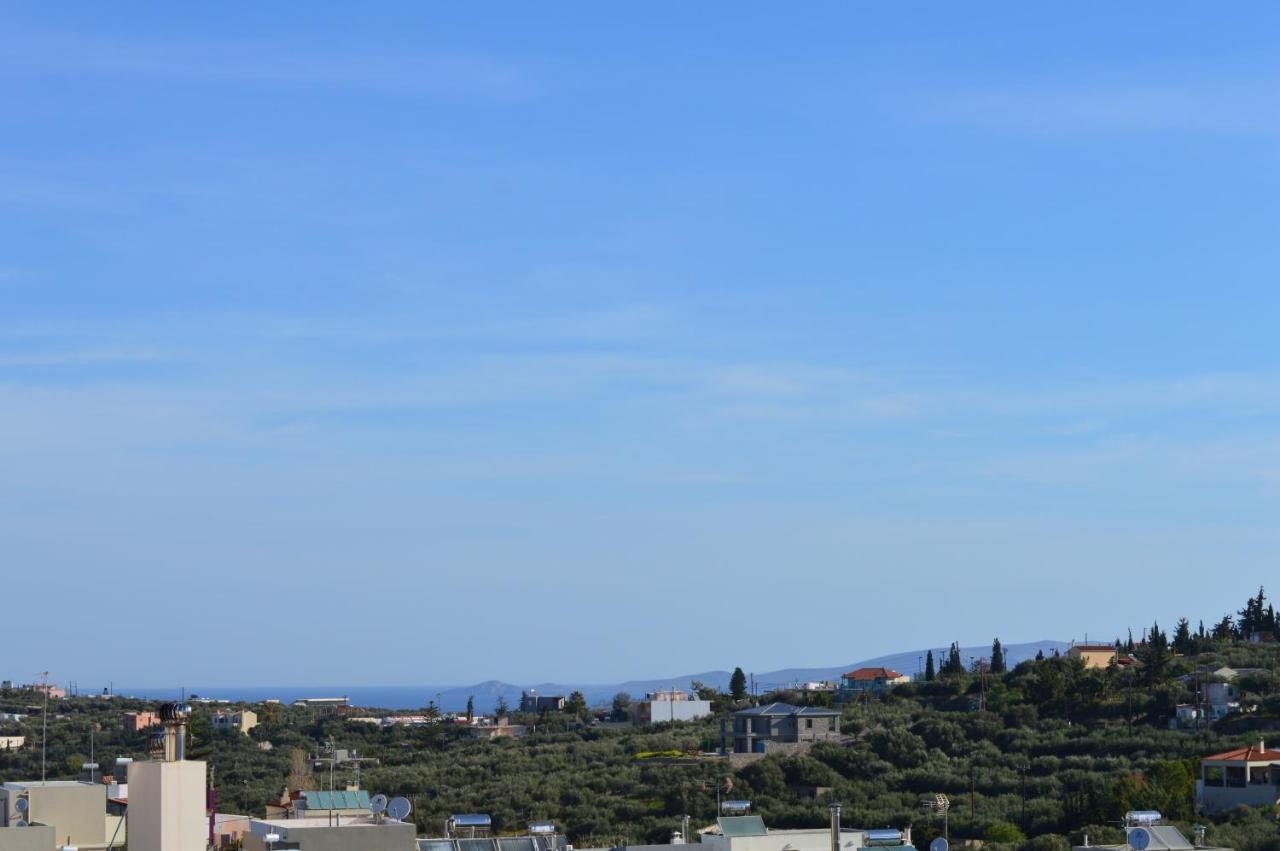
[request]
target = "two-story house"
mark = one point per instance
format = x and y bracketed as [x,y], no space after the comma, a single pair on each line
[539,703]
[776,725]
[1249,776]
[870,680]
[242,720]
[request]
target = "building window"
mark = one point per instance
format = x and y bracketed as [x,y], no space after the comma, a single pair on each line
[808,723]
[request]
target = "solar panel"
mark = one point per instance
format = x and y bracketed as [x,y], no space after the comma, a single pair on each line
[435,845]
[516,843]
[742,826]
[476,844]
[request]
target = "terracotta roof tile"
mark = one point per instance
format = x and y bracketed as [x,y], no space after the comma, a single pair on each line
[871,674]
[1253,753]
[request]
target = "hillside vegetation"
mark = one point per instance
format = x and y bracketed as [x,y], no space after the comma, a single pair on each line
[1030,757]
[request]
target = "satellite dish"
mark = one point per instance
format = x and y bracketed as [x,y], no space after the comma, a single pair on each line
[939,844]
[378,804]
[1139,839]
[398,808]
[20,823]
[22,805]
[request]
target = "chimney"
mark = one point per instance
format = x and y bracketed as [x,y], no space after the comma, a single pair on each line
[835,825]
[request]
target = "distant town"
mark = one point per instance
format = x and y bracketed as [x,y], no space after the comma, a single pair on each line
[1154,741]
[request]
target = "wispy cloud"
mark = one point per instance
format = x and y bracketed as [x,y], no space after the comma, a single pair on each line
[80,357]
[298,386]
[1226,107]
[292,66]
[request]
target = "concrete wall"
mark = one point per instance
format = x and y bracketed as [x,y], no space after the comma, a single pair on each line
[36,838]
[1220,799]
[658,711]
[801,840]
[821,730]
[390,836]
[76,811]
[167,806]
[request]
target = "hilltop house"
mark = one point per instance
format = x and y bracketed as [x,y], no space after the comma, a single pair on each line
[1218,699]
[775,726]
[539,703]
[134,722]
[1249,776]
[242,721]
[1093,655]
[495,727]
[870,681]
[669,705]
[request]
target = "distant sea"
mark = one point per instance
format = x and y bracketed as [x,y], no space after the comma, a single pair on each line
[384,697]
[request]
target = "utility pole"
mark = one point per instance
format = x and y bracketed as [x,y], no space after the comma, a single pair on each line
[973,785]
[1024,768]
[44,726]
[1129,715]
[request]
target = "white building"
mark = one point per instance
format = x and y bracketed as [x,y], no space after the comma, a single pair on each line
[670,705]
[318,833]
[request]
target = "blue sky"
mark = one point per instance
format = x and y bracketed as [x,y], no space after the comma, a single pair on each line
[426,344]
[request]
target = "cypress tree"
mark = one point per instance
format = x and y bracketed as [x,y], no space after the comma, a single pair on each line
[738,684]
[928,668]
[1182,641]
[997,658]
[955,666]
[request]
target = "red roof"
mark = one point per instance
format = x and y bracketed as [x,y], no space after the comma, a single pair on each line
[1253,753]
[1095,648]
[872,674]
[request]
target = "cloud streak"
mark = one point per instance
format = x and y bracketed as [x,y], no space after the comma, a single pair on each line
[283,66]
[1223,107]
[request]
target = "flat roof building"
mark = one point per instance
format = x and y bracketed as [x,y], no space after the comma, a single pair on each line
[667,705]
[317,833]
[76,811]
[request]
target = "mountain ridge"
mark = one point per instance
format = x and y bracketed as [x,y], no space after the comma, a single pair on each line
[488,692]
